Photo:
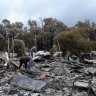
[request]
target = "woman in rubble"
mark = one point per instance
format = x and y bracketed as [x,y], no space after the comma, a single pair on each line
[24,60]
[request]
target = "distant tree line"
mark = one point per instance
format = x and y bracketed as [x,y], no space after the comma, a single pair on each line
[45,34]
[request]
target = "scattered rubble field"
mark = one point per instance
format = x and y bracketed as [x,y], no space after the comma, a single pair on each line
[49,78]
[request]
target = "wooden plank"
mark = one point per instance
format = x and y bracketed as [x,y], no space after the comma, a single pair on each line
[14,63]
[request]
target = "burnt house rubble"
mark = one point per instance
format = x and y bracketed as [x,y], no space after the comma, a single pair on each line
[49,76]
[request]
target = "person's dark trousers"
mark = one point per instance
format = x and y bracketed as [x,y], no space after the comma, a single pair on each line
[26,65]
[22,64]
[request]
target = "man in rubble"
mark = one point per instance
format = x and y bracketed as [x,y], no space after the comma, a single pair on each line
[32,51]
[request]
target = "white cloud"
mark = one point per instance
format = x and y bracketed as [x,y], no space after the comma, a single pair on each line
[70,11]
[14,16]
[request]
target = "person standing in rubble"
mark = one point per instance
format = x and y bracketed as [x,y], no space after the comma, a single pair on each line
[32,51]
[32,54]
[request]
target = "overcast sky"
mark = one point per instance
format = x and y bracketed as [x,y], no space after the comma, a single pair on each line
[69,11]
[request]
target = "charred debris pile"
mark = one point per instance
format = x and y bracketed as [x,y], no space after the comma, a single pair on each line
[49,77]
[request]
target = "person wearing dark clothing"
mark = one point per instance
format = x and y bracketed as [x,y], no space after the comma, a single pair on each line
[24,60]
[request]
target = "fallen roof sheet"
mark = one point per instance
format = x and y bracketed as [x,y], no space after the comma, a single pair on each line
[27,83]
